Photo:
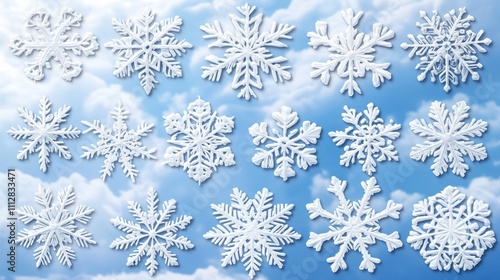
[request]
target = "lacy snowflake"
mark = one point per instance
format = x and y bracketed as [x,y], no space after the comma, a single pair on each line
[246,52]
[448,138]
[43,132]
[447,47]
[55,226]
[196,137]
[146,47]
[351,52]
[159,232]
[354,225]
[250,228]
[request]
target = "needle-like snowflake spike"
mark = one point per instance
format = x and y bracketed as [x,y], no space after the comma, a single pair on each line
[351,53]
[250,228]
[118,143]
[153,234]
[450,230]
[448,138]
[371,140]
[447,47]
[196,139]
[246,52]
[55,226]
[148,46]
[43,132]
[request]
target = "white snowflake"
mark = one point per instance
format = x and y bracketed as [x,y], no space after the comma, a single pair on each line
[284,145]
[196,137]
[146,47]
[448,138]
[447,47]
[246,51]
[43,132]
[53,43]
[371,140]
[118,143]
[250,228]
[354,231]
[159,232]
[55,226]
[351,52]
[449,231]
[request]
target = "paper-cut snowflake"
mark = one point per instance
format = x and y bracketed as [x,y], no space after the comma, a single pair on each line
[250,228]
[157,234]
[43,132]
[448,138]
[351,53]
[371,140]
[118,144]
[447,47]
[55,226]
[246,51]
[53,42]
[354,225]
[451,231]
[196,137]
[148,46]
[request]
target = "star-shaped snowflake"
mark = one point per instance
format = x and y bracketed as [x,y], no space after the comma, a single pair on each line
[250,228]
[246,52]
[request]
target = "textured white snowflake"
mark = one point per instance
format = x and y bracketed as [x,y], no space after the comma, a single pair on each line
[351,52]
[354,225]
[118,143]
[451,231]
[55,226]
[43,132]
[53,42]
[447,47]
[147,47]
[250,228]
[196,137]
[448,138]
[246,51]
[158,234]
[371,140]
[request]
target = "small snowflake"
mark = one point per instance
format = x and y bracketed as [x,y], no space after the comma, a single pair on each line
[354,231]
[147,47]
[250,228]
[246,52]
[42,133]
[351,53]
[448,138]
[447,47]
[159,231]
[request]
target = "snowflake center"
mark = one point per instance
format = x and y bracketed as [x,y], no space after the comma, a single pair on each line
[447,46]
[283,142]
[147,46]
[447,138]
[353,225]
[152,233]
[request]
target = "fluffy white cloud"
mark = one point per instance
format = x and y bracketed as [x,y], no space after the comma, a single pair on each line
[486,189]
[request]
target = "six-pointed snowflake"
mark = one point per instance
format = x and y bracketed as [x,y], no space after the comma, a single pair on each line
[354,225]
[158,234]
[250,228]
[447,47]
[448,138]
[351,53]
[246,52]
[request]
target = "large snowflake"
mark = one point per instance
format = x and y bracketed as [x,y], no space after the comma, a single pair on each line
[250,228]
[447,47]
[53,43]
[158,234]
[448,138]
[43,132]
[246,52]
[196,137]
[351,52]
[354,225]
[146,47]
[55,226]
